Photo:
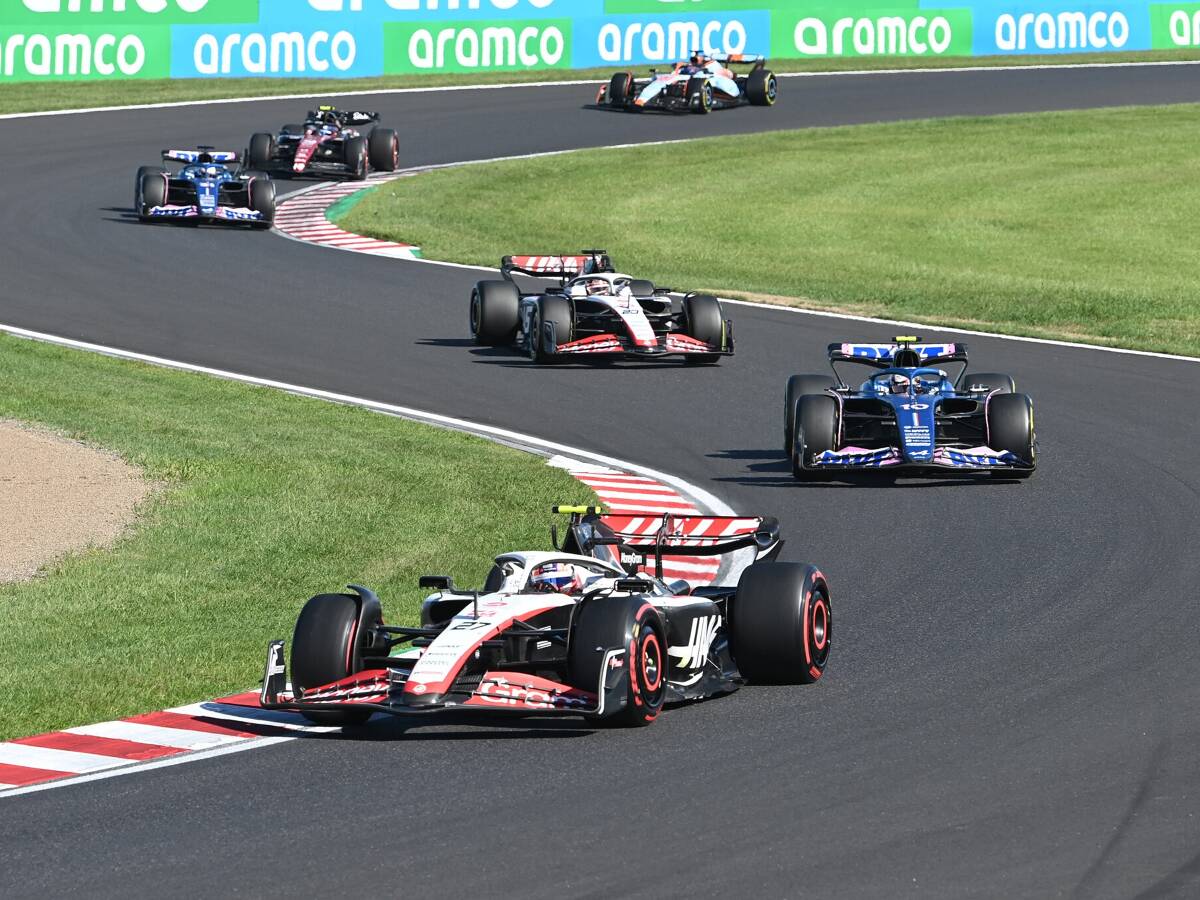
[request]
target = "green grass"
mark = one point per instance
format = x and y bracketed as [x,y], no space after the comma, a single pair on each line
[1072,224]
[269,498]
[52,95]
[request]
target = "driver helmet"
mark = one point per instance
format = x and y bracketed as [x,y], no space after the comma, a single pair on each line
[556,578]
[330,118]
[212,171]
[899,384]
[698,58]
[597,286]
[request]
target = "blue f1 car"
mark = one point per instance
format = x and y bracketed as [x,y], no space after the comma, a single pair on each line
[204,190]
[907,415]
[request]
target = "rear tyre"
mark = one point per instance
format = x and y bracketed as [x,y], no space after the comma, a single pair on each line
[699,95]
[621,623]
[762,87]
[494,313]
[556,310]
[383,148]
[262,199]
[781,624]
[150,189]
[1010,427]
[327,646]
[797,387]
[620,90]
[987,381]
[703,321]
[355,157]
[262,150]
[816,432]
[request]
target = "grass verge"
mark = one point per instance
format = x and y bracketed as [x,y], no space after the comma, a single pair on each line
[1072,225]
[270,498]
[55,95]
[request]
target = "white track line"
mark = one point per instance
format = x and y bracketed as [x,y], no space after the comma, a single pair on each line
[578,82]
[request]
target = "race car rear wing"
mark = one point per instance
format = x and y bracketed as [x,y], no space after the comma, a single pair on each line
[883,356]
[201,154]
[631,539]
[560,267]
[349,116]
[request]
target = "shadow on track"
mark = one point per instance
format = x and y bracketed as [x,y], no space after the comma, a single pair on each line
[775,469]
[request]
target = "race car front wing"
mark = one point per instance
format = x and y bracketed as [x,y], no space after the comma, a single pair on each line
[962,459]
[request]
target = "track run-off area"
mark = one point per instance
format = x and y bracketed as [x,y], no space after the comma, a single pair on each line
[1012,708]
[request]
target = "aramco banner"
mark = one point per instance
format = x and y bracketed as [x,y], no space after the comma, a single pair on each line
[44,40]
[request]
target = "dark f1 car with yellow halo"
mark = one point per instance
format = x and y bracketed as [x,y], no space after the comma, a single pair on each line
[588,628]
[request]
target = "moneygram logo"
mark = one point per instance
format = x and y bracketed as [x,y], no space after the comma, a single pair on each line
[468,47]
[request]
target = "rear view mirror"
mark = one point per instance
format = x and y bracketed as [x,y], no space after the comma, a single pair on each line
[437,582]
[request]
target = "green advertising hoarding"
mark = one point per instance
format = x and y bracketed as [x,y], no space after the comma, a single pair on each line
[494,46]
[86,54]
[694,7]
[1174,25]
[871,32]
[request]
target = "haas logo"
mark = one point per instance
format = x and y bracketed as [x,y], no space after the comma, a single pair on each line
[695,653]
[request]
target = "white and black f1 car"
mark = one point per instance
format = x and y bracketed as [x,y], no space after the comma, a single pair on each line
[205,189]
[908,415]
[700,85]
[595,312]
[328,142]
[582,629]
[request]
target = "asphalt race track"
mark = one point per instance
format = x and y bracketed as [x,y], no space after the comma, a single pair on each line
[1012,708]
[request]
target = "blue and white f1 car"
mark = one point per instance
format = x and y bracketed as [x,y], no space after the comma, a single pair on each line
[206,189]
[908,415]
[700,85]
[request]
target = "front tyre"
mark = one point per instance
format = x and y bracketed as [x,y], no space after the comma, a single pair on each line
[781,623]
[557,312]
[262,199]
[816,432]
[150,190]
[355,157]
[702,320]
[620,90]
[630,624]
[383,148]
[1010,427]
[328,645]
[762,87]
[699,95]
[797,387]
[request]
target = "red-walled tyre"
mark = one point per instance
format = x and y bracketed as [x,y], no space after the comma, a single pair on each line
[631,624]
[781,623]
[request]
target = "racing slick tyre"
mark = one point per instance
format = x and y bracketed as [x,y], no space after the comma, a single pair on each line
[703,321]
[356,158]
[558,311]
[634,625]
[1010,427]
[327,646]
[620,90]
[383,148]
[262,198]
[987,381]
[797,387]
[762,87]
[780,623]
[261,151]
[699,95]
[494,313]
[816,432]
[150,190]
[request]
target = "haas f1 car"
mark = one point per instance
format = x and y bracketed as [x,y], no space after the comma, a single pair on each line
[204,190]
[595,312]
[583,629]
[328,142]
[908,415]
[700,85]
